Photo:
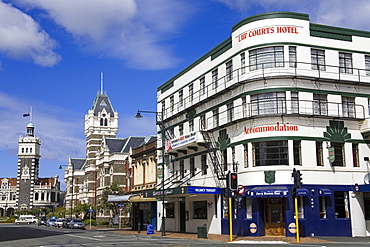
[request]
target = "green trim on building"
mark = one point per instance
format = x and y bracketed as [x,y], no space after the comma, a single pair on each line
[271,15]
[338,30]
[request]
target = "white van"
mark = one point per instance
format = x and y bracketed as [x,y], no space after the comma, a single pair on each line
[26,219]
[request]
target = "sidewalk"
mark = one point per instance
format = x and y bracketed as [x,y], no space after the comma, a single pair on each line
[212,237]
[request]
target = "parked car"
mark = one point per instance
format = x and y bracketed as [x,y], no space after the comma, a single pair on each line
[76,223]
[42,221]
[59,222]
[66,223]
[51,222]
[26,219]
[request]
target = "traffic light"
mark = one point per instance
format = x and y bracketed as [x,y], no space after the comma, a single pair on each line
[297,176]
[233,181]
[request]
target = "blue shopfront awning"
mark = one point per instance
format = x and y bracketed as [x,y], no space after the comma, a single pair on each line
[268,191]
[324,192]
[302,192]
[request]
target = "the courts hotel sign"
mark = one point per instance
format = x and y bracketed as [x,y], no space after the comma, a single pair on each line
[266,31]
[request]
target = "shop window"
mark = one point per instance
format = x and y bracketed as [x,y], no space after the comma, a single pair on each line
[300,201]
[367,205]
[225,209]
[270,153]
[215,78]
[341,204]
[348,106]
[204,164]
[293,56]
[297,153]
[245,146]
[200,210]
[345,63]
[170,210]
[322,205]
[229,70]
[248,207]
[268,57]
[320,104]
[242,62]
[268,103]
[318,59]
[355,157]
[319,156]
[339,154]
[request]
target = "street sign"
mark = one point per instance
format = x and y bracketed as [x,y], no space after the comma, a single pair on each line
[241,189]
[91,210]
[120,205]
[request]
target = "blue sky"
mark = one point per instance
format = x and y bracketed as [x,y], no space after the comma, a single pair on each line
[53,52]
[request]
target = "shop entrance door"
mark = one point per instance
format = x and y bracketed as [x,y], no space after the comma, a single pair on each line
[274,217]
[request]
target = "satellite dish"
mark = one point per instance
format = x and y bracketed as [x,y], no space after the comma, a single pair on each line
[367,179]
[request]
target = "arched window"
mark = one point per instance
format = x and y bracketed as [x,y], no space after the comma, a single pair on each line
[31,150]
[36,196]
[42,196]
[101,122]
[105,122]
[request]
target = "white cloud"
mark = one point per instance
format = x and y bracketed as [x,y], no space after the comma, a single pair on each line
[59,137]
[22,38]
[131,31]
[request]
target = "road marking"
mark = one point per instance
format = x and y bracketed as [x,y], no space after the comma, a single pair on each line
[83,237]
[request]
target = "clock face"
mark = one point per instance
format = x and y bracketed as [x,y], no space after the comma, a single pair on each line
[25,172]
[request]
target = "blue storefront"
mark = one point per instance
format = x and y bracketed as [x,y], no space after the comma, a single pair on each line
[269,210]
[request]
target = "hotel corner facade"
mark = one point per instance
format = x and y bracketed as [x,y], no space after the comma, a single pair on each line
[280,93]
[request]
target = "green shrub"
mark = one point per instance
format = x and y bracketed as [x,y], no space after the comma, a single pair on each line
[104,223]
[87,222]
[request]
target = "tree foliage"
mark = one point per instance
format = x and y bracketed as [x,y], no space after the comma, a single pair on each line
[83,208]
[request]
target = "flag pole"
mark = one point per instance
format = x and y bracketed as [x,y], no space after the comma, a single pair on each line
[31,115]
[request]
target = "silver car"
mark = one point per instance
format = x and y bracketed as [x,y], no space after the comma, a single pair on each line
[76,223]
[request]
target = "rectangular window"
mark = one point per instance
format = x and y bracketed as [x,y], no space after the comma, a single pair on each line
[202,122]
[215,118]
[200,210]
[191,92]
[182,169]
[215,78]
[292,56]
[181,130]
[322,205]
[301,207]
[294,102]
[202,82]
[367,205]
[242,62]
[204,164]
[170,210]
[345,63]
[297,153]
[230,112]
[172,103]
[229,70]
[245,146]
[181,98]
[339,154]
[319,155]
[348,106]
[270,153]
[192,167]
[268,57]
[320,104]
[318,59]
[248,207]
[268,103]
[367,64]
[245,109]
[191,125]
[355,157]
[341,204]
[224,159]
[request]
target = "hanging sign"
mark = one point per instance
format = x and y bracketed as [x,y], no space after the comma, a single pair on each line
[331,154]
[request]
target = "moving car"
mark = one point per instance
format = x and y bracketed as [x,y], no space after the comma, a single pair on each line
[42,221]
[59,222]
[26,219]
[51,222]
[76,223]
[66,223]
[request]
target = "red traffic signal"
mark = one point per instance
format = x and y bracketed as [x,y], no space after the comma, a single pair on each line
[233,181]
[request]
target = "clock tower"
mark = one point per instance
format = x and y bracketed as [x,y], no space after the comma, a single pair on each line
[28,167]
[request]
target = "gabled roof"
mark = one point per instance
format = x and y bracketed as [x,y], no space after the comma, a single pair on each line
[78,163]
[118,145]
[102,102]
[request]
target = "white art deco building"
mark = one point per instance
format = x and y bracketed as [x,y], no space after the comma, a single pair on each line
[280,93]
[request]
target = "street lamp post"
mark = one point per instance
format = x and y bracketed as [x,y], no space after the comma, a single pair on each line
[161,124]
[71,204]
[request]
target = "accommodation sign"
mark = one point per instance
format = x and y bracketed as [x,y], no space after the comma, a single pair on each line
[267,30]
[269,128]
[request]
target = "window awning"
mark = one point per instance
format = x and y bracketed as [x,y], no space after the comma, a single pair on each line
[324,192]
[268,191]
[114,198]
[302,192]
